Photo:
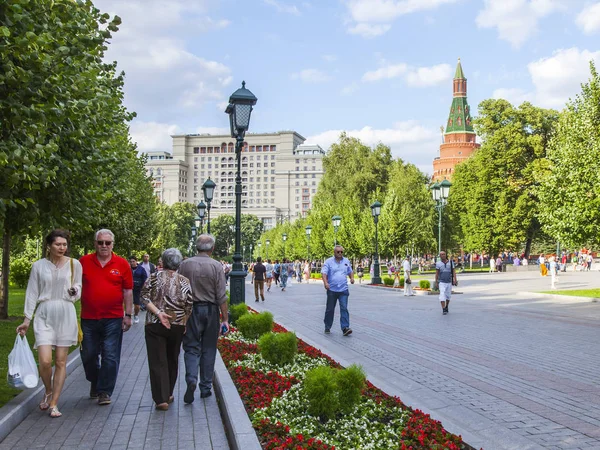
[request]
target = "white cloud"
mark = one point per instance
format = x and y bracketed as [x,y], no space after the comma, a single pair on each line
[368,30]
[513,95]
[280,7]
[311,76]
[350,89]
[414,76]
[385,73]
[559,77]
[516,20]
[429,76]
[153,136]
[370,18]
[408,140]
[589,18]
[164,80]
[329,58]
[212,130]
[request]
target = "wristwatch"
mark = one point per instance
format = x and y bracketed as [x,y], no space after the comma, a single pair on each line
[128,315]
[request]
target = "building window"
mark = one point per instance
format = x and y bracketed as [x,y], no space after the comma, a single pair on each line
[196,149]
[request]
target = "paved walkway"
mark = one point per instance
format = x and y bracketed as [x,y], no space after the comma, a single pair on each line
[505,369]
[130,422]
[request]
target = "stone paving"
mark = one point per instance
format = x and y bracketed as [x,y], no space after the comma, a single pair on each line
[130,422]
[506,369]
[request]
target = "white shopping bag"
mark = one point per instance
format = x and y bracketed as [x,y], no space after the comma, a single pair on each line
[22,369]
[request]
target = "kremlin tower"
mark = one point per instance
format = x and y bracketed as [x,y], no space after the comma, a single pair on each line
[459,140]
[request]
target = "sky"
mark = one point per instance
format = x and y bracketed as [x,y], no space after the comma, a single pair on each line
[381,70]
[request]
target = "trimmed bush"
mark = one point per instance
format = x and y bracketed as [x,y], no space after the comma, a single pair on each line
[424,284]
[388,281]
[237,311]
[252,326]
[20,268]
[350,383]
[320,387]
[317,276]
[278,348]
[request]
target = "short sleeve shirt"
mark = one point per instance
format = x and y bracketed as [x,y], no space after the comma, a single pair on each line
[445,271]
[337,273]
[259,271]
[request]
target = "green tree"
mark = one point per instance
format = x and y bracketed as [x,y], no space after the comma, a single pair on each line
[569,206]
[494,193]
[174,228]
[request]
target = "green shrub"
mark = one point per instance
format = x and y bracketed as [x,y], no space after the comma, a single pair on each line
[20,268]
[317,276]
[278,348]
[331,391]
[401,280]
[350,383]
[388,281]
[424,284]
[320,387]
[237,311]
[252,326]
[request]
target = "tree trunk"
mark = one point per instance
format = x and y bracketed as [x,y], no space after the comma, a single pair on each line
[5,268]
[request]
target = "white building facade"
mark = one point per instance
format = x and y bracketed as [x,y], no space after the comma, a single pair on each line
[280,174]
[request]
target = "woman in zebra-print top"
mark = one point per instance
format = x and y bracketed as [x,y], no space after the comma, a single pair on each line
[168,300]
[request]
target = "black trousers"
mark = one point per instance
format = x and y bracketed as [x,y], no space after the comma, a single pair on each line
[163,348]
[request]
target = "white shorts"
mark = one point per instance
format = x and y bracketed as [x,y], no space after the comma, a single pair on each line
[445,291]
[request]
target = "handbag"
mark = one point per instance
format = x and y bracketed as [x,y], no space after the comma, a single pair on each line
[22,369]
[79,330]
[408,281]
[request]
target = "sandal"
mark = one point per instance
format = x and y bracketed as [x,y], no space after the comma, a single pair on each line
[44,403]
[54,412]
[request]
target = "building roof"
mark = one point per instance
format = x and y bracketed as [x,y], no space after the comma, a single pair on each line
[459,119]
[459,75]
[228,136]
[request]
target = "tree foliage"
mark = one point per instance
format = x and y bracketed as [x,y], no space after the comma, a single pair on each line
[569,206]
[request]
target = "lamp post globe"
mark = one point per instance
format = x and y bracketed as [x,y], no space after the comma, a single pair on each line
[375,212]
[308,230]
[284,238]
[201,213]
[239,110]
[208,190]
[335,221]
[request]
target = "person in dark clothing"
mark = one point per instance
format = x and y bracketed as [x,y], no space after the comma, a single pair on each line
[139,278]
[258,278]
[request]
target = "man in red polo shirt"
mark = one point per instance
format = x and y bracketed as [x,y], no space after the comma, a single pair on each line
[107,287]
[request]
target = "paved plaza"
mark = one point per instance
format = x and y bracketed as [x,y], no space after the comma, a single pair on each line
[130,422]
[506,369]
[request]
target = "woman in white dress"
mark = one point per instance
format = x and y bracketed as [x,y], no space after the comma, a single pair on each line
[54,285]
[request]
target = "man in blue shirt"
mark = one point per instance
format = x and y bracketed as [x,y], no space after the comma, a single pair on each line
[335,273]
[445,277]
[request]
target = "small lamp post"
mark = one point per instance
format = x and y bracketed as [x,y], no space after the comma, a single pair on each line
[208,189]
[375,211]
[267,242]
[259,249]
[191,249]
[440,193]
[335,220]
[308,230]
[284,237]
[201,213]
[239,110]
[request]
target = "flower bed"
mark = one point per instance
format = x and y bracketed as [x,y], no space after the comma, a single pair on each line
[275,401]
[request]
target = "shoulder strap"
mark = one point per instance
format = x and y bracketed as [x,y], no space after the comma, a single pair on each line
[72,272]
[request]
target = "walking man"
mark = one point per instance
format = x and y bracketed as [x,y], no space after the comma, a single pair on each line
[207,280]
[445,278]
[147,265]
[107,288]
[407,268]
[139,278]
[258,278]
[335,273]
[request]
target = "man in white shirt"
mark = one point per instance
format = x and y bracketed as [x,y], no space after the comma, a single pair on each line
[147,265]
[406,267]
[445,277]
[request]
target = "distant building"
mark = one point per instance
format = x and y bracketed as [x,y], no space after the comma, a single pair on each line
[280,174]
[459,139]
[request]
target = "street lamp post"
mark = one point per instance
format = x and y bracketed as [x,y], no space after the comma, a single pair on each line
[375,211]
[308,230]
[284,237]
[208,189]
[335,220]
[259,249]
[191,249]
[201,213]
[440,192]
[267,242]
[239,110]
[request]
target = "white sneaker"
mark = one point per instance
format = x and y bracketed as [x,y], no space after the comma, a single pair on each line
[136,319]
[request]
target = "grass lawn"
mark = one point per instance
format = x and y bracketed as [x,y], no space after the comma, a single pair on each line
[16,303]
[592,293]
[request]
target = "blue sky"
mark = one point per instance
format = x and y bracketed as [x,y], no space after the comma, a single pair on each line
[378,69]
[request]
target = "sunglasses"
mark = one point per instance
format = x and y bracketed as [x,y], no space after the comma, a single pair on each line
[107,243]
[339,251]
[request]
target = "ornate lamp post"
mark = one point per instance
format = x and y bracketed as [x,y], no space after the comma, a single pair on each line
[267,242]
[259,249]
[308,230]
[239,110]
[201,213]
[440,193]
[375,211]
[284,237]
[335,220]
[208,189]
